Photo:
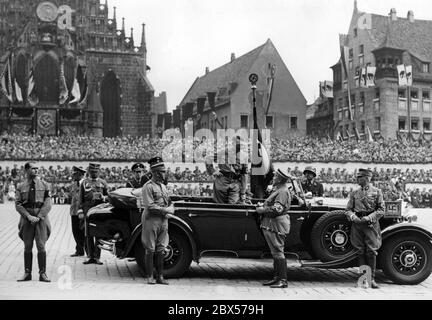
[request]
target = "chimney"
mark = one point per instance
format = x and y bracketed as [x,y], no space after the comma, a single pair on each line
[410,16]
[207,70]
[233,57]
[123,26]
[115,14]
[393,16]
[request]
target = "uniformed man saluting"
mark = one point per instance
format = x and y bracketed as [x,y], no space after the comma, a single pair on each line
[365,207]
[33,203]
[157,205]
[93,191]
[139,177]
[310,184]
[276,226]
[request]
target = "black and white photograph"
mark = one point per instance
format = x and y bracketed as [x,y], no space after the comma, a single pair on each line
[241,152]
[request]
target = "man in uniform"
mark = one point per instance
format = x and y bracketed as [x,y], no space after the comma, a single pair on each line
[33,203]
[77,231]
[310,184]
[275,224]
[230,180]
[93,191]
[157,205]
[139,177]
[365,207]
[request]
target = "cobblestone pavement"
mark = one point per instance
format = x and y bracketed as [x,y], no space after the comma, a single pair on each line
[213,278]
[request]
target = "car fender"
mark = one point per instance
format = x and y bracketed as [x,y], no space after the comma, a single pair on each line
[405,227]
[174,221]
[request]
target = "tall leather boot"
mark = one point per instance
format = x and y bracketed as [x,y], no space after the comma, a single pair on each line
[282,271]
[28,261]
[42,267]
[275,275]
[371,257]
[149,267]
[159,269]
[361,260]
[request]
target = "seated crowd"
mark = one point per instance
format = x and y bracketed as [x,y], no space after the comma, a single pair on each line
[301,149]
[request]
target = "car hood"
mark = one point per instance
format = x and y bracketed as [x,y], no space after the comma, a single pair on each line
[328,202]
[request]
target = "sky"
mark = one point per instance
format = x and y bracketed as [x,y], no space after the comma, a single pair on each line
[185,36]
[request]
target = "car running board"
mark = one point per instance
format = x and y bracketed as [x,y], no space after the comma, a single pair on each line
[330,264]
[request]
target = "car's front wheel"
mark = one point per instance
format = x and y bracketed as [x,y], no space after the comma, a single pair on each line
[406,258]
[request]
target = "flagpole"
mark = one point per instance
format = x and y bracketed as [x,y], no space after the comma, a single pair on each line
[408,90]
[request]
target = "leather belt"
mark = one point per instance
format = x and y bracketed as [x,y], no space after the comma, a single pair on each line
[230,175]
[363,214]
[34,206]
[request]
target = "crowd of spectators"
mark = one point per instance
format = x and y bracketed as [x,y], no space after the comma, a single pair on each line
[196,182]
[301,149]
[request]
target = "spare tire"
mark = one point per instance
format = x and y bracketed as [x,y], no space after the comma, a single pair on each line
[330,236]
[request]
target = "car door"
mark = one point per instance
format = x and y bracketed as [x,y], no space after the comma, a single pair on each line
[216,226]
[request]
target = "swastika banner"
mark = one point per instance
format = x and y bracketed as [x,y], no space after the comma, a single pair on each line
[46,122]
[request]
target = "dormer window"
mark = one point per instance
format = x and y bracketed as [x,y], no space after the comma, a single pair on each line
[425,67]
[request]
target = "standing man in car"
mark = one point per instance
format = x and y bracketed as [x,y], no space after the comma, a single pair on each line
[93,191]
[33,203]
[275,224]
[157,205]
[139,177]
[78,232]
[364,209]
[310,184]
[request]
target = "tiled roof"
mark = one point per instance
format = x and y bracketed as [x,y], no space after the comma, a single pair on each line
[222,76]
[414,37]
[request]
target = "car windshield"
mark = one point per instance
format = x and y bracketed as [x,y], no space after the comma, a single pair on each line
[296,188]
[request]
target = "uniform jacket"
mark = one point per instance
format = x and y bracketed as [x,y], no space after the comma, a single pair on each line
[42,199]
[276,218]
[89,188]
[367,201]
[315,187]
[155,199]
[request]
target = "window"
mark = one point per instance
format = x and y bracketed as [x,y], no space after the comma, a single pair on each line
[377,124]
[361,54]
[361,49]
[355,32]
[361,60]
[351,53]
[425,67]
[376,101]
[402,123]
[402,104]
[244,121]
[340,115]
[414,100]
[377,93]
[414,124]
[345,85]
[269,121]
[426,101]
[293,122]
[426,124]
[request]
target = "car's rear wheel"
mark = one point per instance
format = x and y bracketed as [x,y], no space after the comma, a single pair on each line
[330,236]
[406,259]
[178,255]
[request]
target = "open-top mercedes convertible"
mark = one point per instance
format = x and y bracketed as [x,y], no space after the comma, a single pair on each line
[319,235]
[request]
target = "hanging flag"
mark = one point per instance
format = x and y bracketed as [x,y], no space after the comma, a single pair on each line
[409,78]
[18,92]
[345,57]
[369,136]
[321,89]
[271,84]
[348,134]
[63,87]
[402,75]
[76,94]
[363,77]
[370,80]
[6,86]
[357,134]
[31,95]
[339,136]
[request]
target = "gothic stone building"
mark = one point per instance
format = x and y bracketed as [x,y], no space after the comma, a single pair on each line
[69,68]
[386,108]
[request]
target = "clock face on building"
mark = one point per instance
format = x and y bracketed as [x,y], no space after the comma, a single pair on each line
[47,11]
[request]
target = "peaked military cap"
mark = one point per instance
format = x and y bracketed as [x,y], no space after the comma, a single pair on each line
[94,166]
[156,163]
[30,165]
[78,169]
[364,173]
[284,176]
[137,166]
[311,170]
